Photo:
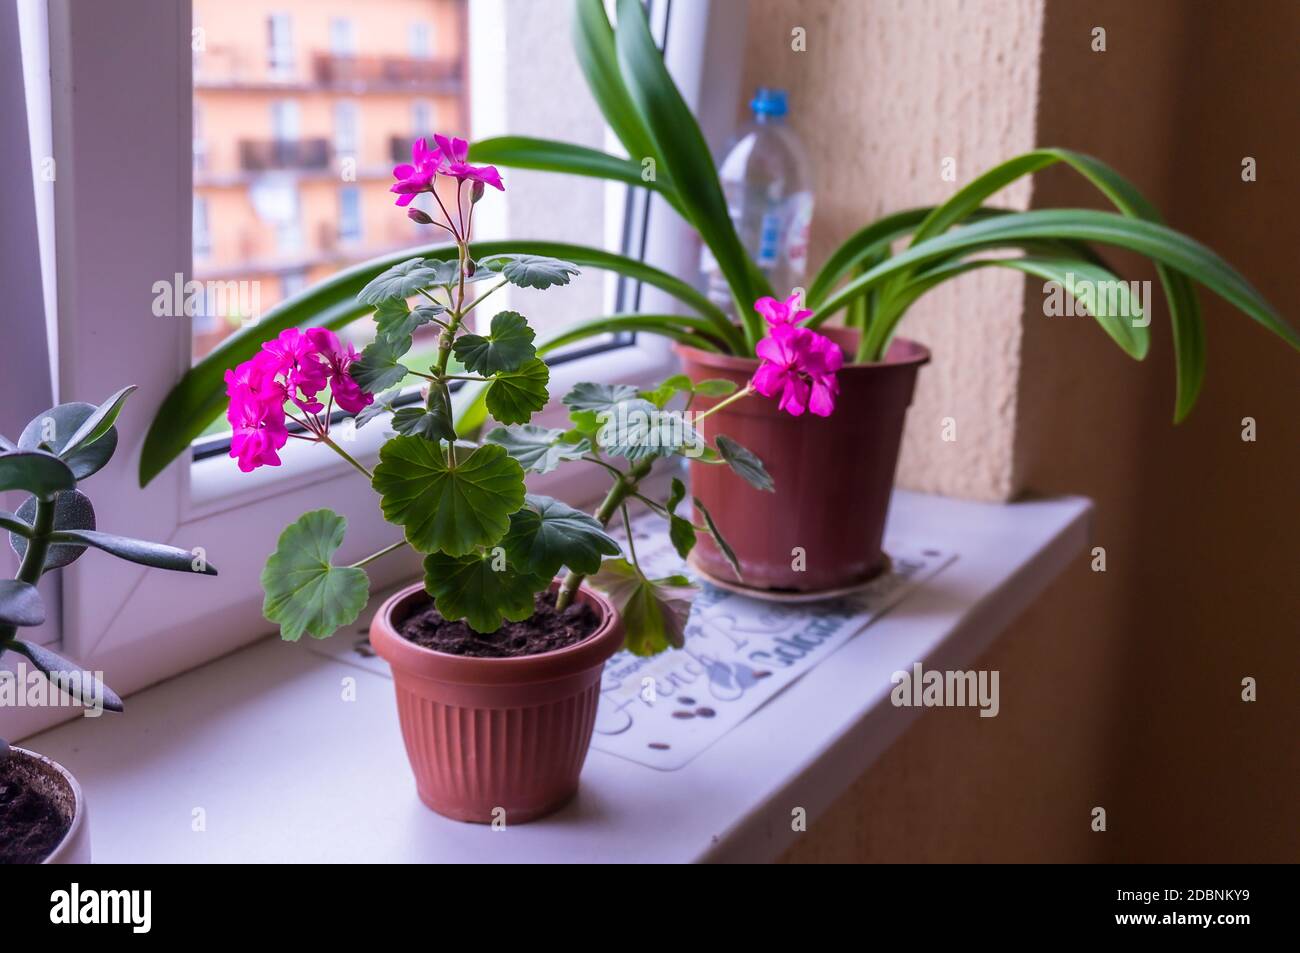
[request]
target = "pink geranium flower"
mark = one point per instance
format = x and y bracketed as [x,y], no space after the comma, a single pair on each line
[455,152]
[781,312]
[798,366]
[418,176]
[296,366]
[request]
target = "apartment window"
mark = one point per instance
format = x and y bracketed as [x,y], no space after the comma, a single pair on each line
[343,40]
[292,282]
[280,57]
[421,119]
[421,41]
[347,122]
[285,117]
[350,214]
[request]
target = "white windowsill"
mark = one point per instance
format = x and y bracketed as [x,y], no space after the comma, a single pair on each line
[285,771]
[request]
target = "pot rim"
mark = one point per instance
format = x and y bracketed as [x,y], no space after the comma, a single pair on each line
[918,355]
[78,798]
[421,662]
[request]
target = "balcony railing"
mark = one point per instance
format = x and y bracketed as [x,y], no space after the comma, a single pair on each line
[387,72]
[262,155]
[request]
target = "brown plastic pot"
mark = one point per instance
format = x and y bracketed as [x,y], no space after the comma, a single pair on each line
[833,474]
[484,734]
[56,783]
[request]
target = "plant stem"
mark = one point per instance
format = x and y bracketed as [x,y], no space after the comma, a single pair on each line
[626,485]
[383,552]
[475,303]
[738,395]
[324,438]
[631,545]
[33,563]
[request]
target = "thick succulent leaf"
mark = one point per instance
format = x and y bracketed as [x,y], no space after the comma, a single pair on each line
[514,396]
[654,611]
[99,422]
[304,591]
[20,603]
[40,473]
[395,319]
[681,531]
[538,449]
[155,555]
[380,366]
[72,511]
[746,463]
[400,281]
[547,534]
[55,428]
[12,524]
[507,347]
[444,507]
[533,271]
[598,397]
[81,685]
[473,588]
[723,546]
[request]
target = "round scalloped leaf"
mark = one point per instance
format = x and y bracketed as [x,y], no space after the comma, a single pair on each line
[547,534]
[598,397]
[443,507]
[514,396]
[380,367]
[471,587]
[304,591]
[534,271]
[55,428]
[72,510]
[394,319]
[507,347]
[401,281]
[654,611]
[538,449]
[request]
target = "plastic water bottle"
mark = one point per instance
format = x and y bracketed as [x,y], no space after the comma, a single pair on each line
[767,181]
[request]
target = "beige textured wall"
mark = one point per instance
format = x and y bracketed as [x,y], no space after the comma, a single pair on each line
[883,93]
[1119,689]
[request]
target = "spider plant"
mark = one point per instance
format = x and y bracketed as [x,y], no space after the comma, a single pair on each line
[865,282]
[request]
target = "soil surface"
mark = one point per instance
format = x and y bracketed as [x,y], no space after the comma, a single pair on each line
[30,823]
[546,631]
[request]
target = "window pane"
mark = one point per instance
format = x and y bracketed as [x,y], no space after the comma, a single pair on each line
[303,107]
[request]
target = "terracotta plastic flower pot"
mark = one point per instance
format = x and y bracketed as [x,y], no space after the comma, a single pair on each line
[56,783]
[484,734]
[821,530]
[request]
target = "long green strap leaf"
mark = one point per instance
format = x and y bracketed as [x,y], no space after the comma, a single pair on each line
[594,45]
[199,397]
[682,147]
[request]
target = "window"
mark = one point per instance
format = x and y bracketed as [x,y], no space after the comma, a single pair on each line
[343,40]
[346,122]
[421,44]
[271,204]
[349,214]
[280,59]
[421,121]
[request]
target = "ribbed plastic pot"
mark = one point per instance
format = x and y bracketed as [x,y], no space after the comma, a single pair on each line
[486,735]
[822,529]
[56,783]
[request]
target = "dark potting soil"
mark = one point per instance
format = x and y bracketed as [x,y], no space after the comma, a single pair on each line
[545,631]
[31,824]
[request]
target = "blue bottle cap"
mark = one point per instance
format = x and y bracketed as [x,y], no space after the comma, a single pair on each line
[768,102]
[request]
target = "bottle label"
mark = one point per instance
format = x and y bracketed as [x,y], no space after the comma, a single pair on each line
[797,232]
[769,238]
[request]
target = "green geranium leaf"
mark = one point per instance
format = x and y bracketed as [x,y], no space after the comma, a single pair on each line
[547,534]
[715,387]
[747,466]
[72,511]
[304,591]
[35,471]
[478,588]
[394,319]
[661,394]
[538,449]
[598,397]
[401,281]
[86,692]
[381,405]
[533,271]
[444,507]
[20,603]
[380,365]
[507,347]
[514,396]
[723,546]
[56,427]
[433,421]
[681,531]
[638,430]
[654,611]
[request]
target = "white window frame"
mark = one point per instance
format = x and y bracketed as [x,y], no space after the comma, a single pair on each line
[113,100]
[281,57]
[419,40]
[347,128]
[353,230]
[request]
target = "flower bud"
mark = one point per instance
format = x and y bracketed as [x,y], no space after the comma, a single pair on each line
[420,218]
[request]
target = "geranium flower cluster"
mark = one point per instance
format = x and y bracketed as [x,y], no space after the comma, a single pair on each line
[796,364]
[448,158]
[297,368]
